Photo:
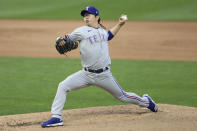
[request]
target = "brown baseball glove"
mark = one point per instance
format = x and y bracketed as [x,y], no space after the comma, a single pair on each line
[64,45]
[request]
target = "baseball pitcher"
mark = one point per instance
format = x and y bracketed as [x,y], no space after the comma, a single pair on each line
[93,39]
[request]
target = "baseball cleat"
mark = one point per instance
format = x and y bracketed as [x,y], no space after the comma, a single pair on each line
[152,105]
[52,122]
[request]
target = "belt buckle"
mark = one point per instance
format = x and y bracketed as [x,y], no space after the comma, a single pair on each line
[100,70]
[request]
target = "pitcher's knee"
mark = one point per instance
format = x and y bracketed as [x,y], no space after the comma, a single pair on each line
[63,86]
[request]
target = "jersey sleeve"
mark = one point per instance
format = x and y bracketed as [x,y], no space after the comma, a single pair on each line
[110,35]
[76,35]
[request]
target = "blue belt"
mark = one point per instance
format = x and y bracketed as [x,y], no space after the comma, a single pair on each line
[96,71]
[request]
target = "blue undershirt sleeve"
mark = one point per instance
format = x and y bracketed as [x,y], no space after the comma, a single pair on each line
[110,35]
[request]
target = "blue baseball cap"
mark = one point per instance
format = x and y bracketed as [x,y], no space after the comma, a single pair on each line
[91,10]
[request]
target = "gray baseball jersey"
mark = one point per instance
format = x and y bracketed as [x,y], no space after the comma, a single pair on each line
[93,46]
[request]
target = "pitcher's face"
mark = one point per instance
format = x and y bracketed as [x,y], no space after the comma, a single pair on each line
[90,19]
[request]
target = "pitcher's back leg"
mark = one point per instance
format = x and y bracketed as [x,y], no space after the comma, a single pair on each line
[112,86]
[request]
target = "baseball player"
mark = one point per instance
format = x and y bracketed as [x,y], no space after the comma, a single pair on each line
[95,60]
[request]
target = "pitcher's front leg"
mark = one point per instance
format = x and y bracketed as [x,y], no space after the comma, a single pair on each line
[73,82]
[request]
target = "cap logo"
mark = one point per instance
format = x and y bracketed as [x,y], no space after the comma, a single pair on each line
[87,8]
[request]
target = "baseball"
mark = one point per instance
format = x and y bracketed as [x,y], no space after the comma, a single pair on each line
[124,17]
[58,38]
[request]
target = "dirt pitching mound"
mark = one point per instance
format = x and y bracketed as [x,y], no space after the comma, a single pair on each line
[109,118]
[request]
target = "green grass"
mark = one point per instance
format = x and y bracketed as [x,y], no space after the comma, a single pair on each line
[30,84]
[109,9]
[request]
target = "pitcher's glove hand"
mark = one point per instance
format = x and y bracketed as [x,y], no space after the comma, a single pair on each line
[64,45]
